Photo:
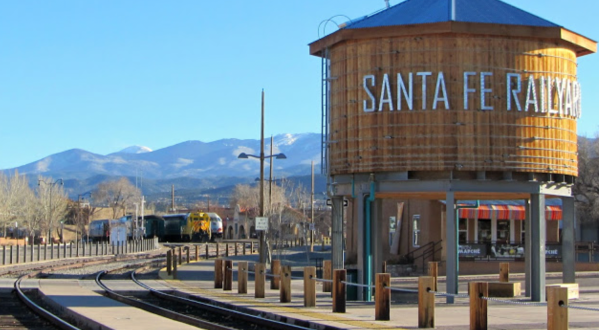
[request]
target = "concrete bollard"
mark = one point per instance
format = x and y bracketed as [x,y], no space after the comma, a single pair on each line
[285,284]
[309,286]
[228,285]
[218,273]
[327,274]
[433,271]
[339,277]
[275,269]
[242,277]
[478,306]
[259,280]
[557,316]
[382,297]
[426,302]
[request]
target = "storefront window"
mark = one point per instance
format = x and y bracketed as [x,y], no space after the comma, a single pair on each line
[416,230]
[503,231]
[463,231]
[484,231]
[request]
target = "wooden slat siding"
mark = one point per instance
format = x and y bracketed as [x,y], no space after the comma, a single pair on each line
[429,140]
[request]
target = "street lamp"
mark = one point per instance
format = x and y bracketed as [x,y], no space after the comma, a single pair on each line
[243,155]
[51,184]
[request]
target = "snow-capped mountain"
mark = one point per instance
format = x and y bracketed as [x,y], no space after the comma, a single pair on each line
[192,159]
[134,150]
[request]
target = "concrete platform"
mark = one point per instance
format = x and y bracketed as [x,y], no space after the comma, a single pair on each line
[198,279]
[93,310]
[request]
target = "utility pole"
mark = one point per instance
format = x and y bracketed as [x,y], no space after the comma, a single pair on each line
[312,212]
[261,246]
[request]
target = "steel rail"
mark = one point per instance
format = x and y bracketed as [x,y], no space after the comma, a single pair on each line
[53,319]
[222,310]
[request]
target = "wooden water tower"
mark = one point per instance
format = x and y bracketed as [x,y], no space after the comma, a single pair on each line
[451,100]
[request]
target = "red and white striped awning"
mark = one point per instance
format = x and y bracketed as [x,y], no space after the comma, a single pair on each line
[507,212]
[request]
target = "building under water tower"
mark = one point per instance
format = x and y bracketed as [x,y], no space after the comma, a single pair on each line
[452,123]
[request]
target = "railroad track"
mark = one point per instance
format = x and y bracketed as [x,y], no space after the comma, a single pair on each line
[193,312]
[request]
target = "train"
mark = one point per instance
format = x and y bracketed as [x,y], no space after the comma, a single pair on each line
[180,227]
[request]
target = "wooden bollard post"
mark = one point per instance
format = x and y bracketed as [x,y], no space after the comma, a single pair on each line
[259,280]
[174,266]
[218,273]
[207,255]
[426,302]
[187,250]
[433,271]
[235,248]
[275,269]
[285,281]
[228,286]
[242,277]
[226,249]
[309,286]
[478,306]
[197,253]
[504,272]
[382,297]
[339,276]
[243,248]
[327,274]
[168,262]
[557,316]
[217,250]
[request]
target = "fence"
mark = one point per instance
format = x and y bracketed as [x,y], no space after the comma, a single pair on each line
[557,297]
[19,254]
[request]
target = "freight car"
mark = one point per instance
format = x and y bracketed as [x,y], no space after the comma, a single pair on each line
[153,226]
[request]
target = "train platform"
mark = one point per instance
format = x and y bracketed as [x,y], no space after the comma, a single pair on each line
[94,311]
[197,278]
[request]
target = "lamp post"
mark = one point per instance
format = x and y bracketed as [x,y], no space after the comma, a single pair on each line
[51,184]
[243,155]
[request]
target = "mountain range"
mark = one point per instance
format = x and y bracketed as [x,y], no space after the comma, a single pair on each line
[192,165]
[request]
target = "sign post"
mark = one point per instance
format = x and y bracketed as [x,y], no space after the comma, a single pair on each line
[262,226]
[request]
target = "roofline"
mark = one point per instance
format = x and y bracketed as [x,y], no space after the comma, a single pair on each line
[581,45]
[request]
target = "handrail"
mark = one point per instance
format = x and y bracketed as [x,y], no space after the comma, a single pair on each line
[427,250]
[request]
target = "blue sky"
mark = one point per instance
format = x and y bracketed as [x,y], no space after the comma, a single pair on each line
[102,75]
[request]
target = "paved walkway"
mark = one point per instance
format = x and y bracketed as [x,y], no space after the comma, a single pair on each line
[198,278]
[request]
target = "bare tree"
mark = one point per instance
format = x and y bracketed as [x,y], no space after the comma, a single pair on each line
[14,193]
[586,187]
[118,195]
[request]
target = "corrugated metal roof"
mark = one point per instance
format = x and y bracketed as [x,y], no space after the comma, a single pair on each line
[435,11]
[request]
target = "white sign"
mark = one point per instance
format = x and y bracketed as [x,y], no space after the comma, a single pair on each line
[261,223]
[556,96]
[312,227]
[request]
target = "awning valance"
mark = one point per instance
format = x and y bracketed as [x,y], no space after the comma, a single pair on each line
[507,212]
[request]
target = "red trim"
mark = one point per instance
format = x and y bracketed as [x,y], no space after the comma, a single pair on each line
[506,212]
